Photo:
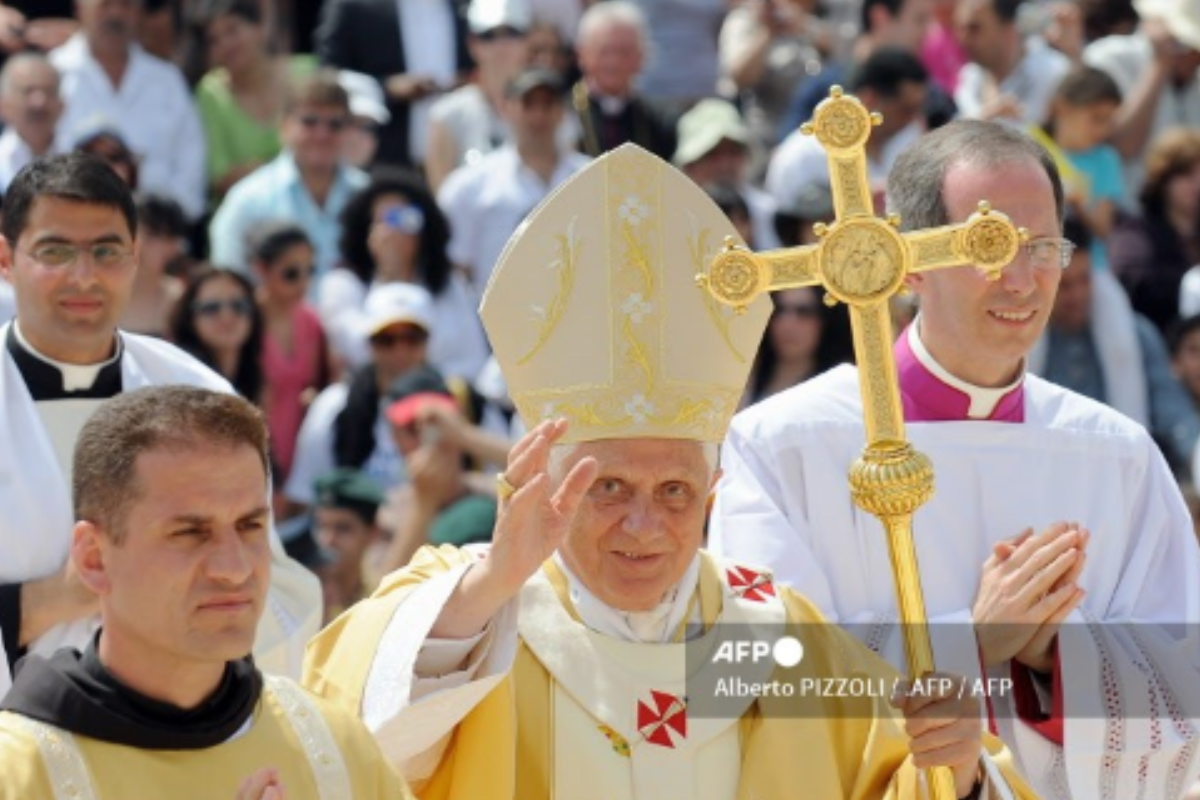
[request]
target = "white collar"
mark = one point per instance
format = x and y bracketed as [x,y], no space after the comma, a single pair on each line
[76,377]
[655,626]
[983,400]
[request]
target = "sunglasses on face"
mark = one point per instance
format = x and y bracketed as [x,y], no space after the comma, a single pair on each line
[333,124]
[406,219]
[294,274]
[393,338]
[500,33]
[238,306]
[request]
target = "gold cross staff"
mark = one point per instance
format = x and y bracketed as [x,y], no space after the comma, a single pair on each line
[862,261]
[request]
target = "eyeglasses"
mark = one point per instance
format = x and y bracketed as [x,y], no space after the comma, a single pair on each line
[800,312]
[334,124]
[406,219]
[239,306]
[294,274]
[1049,253]
[407,338]
[500,32]
[64,254]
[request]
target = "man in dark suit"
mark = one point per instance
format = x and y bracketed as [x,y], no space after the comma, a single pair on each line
[416,49]
[611,47]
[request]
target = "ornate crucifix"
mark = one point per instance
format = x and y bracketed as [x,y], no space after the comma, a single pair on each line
[862,261]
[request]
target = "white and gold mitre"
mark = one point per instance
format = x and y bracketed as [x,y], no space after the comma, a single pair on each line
[594,313]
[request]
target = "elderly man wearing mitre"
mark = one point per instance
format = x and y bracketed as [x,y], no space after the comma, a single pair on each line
[556,663]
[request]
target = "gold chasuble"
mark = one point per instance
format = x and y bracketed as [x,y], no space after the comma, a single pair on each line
[583,716]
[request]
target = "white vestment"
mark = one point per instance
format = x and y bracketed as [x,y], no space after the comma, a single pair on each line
[37,514]
[1132,695]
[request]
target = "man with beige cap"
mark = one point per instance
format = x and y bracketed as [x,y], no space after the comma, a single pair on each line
[581,655]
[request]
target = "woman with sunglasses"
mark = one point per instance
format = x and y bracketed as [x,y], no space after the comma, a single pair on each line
[803,339]
[394,232]
[294,360]
[218,322]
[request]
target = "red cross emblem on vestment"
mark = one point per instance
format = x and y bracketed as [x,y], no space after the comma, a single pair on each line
[664,713]
[751,585]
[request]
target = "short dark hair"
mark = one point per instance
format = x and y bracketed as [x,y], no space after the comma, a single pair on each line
[1180,331]
[916,181]
[176,418]
[1075,230]
[78,177]
[893,7]
[160,215]
[1006,10]
[886,70]
[1086,86]
[268,240]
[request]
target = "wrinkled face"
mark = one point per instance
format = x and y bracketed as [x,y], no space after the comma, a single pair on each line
[535,117]
[1083,127]
[31,103]
[979,330]
[1073,303]
[642,520]
[112,23]
[314,134]
[233,42]
[982,34]
[346,533]
[188,580]
[1186,363]
[221,314]
[911,25]
[725,163]
[796,324]
[69,312]
[611,57]
[286,279]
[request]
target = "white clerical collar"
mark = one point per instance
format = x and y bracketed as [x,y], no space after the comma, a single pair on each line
[610,105]
[983,400]
[75,377]
[655,626]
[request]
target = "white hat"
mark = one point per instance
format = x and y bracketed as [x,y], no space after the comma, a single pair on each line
[396,303]
[1182,18]
[366,96]
[484,15]
[704,126]
[594,313]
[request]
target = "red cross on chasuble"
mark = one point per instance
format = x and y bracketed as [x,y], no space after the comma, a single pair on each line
[668,713]
[750,585]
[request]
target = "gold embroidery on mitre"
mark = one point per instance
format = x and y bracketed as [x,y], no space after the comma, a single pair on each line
[627,345]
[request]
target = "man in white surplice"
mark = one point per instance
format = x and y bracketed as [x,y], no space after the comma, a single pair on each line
[70,251]
[1049,507]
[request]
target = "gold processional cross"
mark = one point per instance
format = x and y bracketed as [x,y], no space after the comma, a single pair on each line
[862,261]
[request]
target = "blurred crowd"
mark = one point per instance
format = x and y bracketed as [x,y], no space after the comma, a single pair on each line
[325,186]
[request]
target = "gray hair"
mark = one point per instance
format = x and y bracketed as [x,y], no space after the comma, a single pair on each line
[916,181]
[561,453]
[610,12]
[19,60]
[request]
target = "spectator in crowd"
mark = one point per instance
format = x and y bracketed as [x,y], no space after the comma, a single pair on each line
[803,339]
[294,356]
[486,201]
[394,232]
[218,322]
[1097,346]
[99,138]
[941,53]
[892,81]
[1158,69]
[469,122]
[344,519]
[796,218]
[1080,122]
[163,232]
[714,148]
[611,49]
[1184,343]
[768,48]
[30,108]
[1107,18]
[1151,253]
[733,205]
[1009,77]
[549,48]
[682,64]
[431,58]
[240,98]
[883,23]
[345,426]
[368,113]
[308,183]
[438,504]
[105,73]
[40,25]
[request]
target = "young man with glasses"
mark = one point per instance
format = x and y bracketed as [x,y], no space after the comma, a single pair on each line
[308,183]
[70,249]
[1028,474]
